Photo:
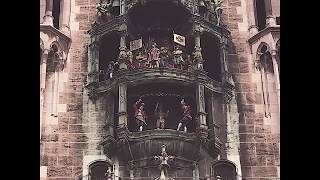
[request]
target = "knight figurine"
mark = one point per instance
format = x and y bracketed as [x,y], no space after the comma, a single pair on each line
[154,56]
[139,114]
[186,115]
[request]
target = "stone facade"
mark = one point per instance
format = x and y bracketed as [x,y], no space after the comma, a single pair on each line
[78,130]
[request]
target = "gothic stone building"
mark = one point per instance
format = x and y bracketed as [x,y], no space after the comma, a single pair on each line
[213,65]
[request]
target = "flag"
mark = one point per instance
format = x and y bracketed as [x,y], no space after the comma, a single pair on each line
[179,39]
[136,44]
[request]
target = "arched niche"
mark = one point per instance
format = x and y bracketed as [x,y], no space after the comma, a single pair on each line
[108,50]
[265,58]
[224,169]
[100,170]
[210,50]
[167,94]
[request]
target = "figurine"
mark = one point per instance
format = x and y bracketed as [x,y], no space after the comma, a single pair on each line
[139,114]
[101,75]
[154,56]
[110,69]
[160,116]
[178,60]
[130,60]
[186,115]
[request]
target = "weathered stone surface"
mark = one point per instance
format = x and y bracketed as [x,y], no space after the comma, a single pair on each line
[264,171]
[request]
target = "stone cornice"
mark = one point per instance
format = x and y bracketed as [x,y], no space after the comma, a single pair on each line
[136,77]
[47,28]
[273,29]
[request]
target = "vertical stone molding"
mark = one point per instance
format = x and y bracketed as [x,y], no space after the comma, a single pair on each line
[197,55]
[65,16]
[48,18]
[123,105]
[201,111]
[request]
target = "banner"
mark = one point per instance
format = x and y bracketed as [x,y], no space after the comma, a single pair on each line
[136,44]
[179,39]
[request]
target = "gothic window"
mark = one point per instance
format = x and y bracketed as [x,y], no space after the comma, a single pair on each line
[260,9]
[224,169]
[211,55]
[100,170]
[56,13]
[267,78]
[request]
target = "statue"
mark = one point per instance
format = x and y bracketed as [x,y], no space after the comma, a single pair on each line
[178,60]
[130,60]
[164,166]
[154,56]
[218,10]
[164,57]
[186,115]
[102,75]
[104,5]
[139,114]
[160,116]
[108,173]
[110,69]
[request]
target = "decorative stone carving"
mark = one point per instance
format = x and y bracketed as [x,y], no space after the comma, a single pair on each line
[218,10]
[164,166]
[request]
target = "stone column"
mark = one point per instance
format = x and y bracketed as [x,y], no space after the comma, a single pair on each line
[93,62]
[123,54]
[197,49]
[122,105]
[48,18]
[276,74]
[65,17]
[201,111]
[226,76]
[43,72]
[253,28]
[195,171]
[271,19]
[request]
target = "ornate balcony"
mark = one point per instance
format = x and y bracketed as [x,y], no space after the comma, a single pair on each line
[143,146]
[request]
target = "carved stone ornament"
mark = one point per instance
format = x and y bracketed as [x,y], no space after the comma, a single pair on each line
[104,6]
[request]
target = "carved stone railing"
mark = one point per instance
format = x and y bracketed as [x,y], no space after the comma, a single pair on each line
[145,76]
[211,27]
[145,145]
[112,25]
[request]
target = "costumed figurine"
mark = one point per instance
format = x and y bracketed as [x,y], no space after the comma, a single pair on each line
[110,69]
[102,75]
[130,60]
[154,56]
[186,115]
[178,60]
[139,114]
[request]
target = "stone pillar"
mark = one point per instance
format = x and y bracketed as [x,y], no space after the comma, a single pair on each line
[43,72]
[226,76]
[271,19]
[197,55]
[48,18]
[276,74]
[253,28]
[93,62]
[122,105]
[65,17]
[123,54]
[195,171]
[201,111]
